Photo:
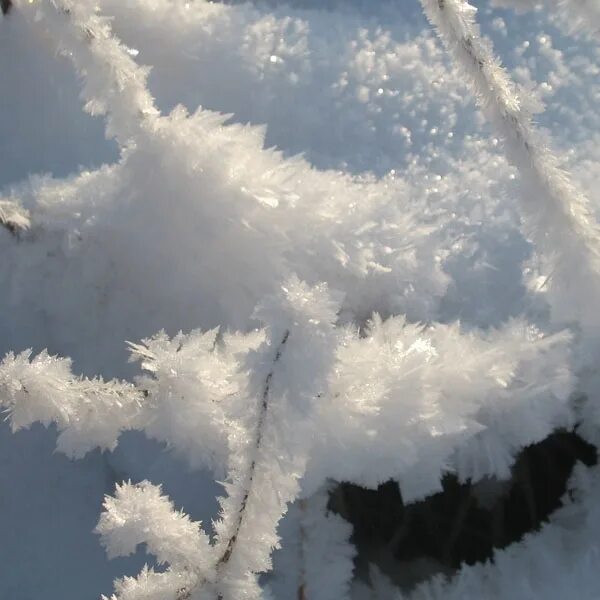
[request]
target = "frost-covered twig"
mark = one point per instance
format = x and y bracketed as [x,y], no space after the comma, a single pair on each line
[308,414]
[89,413]
[264,406]
[316,560]
[14,217]
[115,84]
[558,216]
[141,514]
[241,513]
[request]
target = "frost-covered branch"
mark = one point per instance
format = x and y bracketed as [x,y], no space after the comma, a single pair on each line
[301,341]
[140,514]
[436,396]
[238,519]
[227,552]
[286,410]
[558,217]
[14,217]
[89,413]
[115,85]
[188,380]
[316,558]
[264,406]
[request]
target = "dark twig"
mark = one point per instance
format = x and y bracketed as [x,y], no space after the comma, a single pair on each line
[185,593]
[259,436]
[5,6]
[301,595]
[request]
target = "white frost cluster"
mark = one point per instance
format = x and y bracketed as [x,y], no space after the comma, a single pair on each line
[140,514]
[89,413]
[576,14]
[13,217]
[324,344]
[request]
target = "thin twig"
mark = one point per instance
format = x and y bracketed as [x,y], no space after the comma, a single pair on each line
[257,445]
[558,216]
[302,558]
[185,593]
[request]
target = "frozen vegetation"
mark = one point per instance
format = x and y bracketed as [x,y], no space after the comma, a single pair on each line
[252,251]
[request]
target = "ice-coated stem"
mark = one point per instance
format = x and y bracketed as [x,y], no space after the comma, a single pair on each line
[557,215]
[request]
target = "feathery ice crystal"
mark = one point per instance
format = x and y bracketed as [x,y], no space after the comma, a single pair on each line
[322,345]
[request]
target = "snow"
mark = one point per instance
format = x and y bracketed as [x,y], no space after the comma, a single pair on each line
[327,164]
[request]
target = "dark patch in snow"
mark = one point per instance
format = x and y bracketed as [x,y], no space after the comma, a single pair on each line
[465,523]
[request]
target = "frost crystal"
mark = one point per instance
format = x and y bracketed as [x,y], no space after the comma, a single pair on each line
[300,313]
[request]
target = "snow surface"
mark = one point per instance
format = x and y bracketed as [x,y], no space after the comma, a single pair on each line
[423,220]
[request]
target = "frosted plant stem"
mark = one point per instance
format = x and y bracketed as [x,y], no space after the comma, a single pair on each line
[184,594]
[44,389]
[14,218]
[115,83]
[262,417]
[557,216]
